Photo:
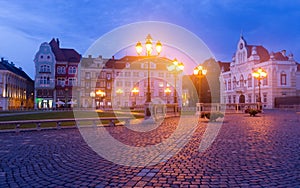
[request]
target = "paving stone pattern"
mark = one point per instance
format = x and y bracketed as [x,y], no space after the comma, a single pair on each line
[261,151]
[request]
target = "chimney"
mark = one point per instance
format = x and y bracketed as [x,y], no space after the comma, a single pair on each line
[283,52]
[57,41]
[113,57]
[89,56]
[20,68]
[2,59]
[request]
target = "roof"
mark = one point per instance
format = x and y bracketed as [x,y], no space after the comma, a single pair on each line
[64,54]
[135,62]
[5,65]
[279,56]
[262,52]
[224,65]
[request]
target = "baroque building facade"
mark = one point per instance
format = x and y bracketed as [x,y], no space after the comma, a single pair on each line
[16,87]
[56,76]
[110,82]
[239,86]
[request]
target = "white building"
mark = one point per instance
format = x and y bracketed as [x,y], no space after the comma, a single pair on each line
[239,86]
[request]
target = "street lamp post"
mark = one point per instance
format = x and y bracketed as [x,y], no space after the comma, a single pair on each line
[135,92]
[119,93]
[259,75]
[167,92]
[200,72]
[176,67]
[139,49]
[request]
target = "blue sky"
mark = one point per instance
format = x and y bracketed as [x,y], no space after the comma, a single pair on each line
[24,25]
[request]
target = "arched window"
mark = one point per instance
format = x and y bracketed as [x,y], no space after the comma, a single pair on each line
[234,83]
[229,84]
[61,70]
[72,70]
[249,80]
[242,81]
[283,78]
[225,83]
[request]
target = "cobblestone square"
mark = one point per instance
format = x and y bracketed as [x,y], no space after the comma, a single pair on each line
[260,151]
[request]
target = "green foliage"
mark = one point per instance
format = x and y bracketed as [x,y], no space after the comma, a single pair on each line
[212,116]
[252,112]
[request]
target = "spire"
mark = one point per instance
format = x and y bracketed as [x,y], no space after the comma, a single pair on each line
[241,35]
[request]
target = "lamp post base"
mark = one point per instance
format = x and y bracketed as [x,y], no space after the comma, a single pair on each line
[147,110]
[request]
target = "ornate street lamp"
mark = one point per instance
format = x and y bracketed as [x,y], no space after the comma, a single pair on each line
[176,68]
[101,94]
[259,74]
[135,92]
[167,92]
[200,72]
[139,50]
[119,93]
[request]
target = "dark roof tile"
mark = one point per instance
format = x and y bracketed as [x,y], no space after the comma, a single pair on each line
[64,54]
[262,52]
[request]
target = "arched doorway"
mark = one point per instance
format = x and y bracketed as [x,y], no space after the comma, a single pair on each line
[242,99]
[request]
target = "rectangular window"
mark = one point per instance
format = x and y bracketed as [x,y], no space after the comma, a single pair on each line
[102,83]
[87,84]
[136,74]
[108,85]
[87,75]
[61,81]
[161,74]
[127,84]
[119,83]
[229,99]
[72,70]
[229,85]
[249,98]
[249,81]
[234,99]
[102,74]
[127,74]
[265,81]
[72,82]
[108,76]
[265,97]
[283,79]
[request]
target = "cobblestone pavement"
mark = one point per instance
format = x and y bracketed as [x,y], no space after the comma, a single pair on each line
[261,151]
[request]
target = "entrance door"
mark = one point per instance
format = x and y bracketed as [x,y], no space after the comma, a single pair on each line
[242,99]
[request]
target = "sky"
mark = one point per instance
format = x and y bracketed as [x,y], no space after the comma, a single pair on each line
[24,25]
